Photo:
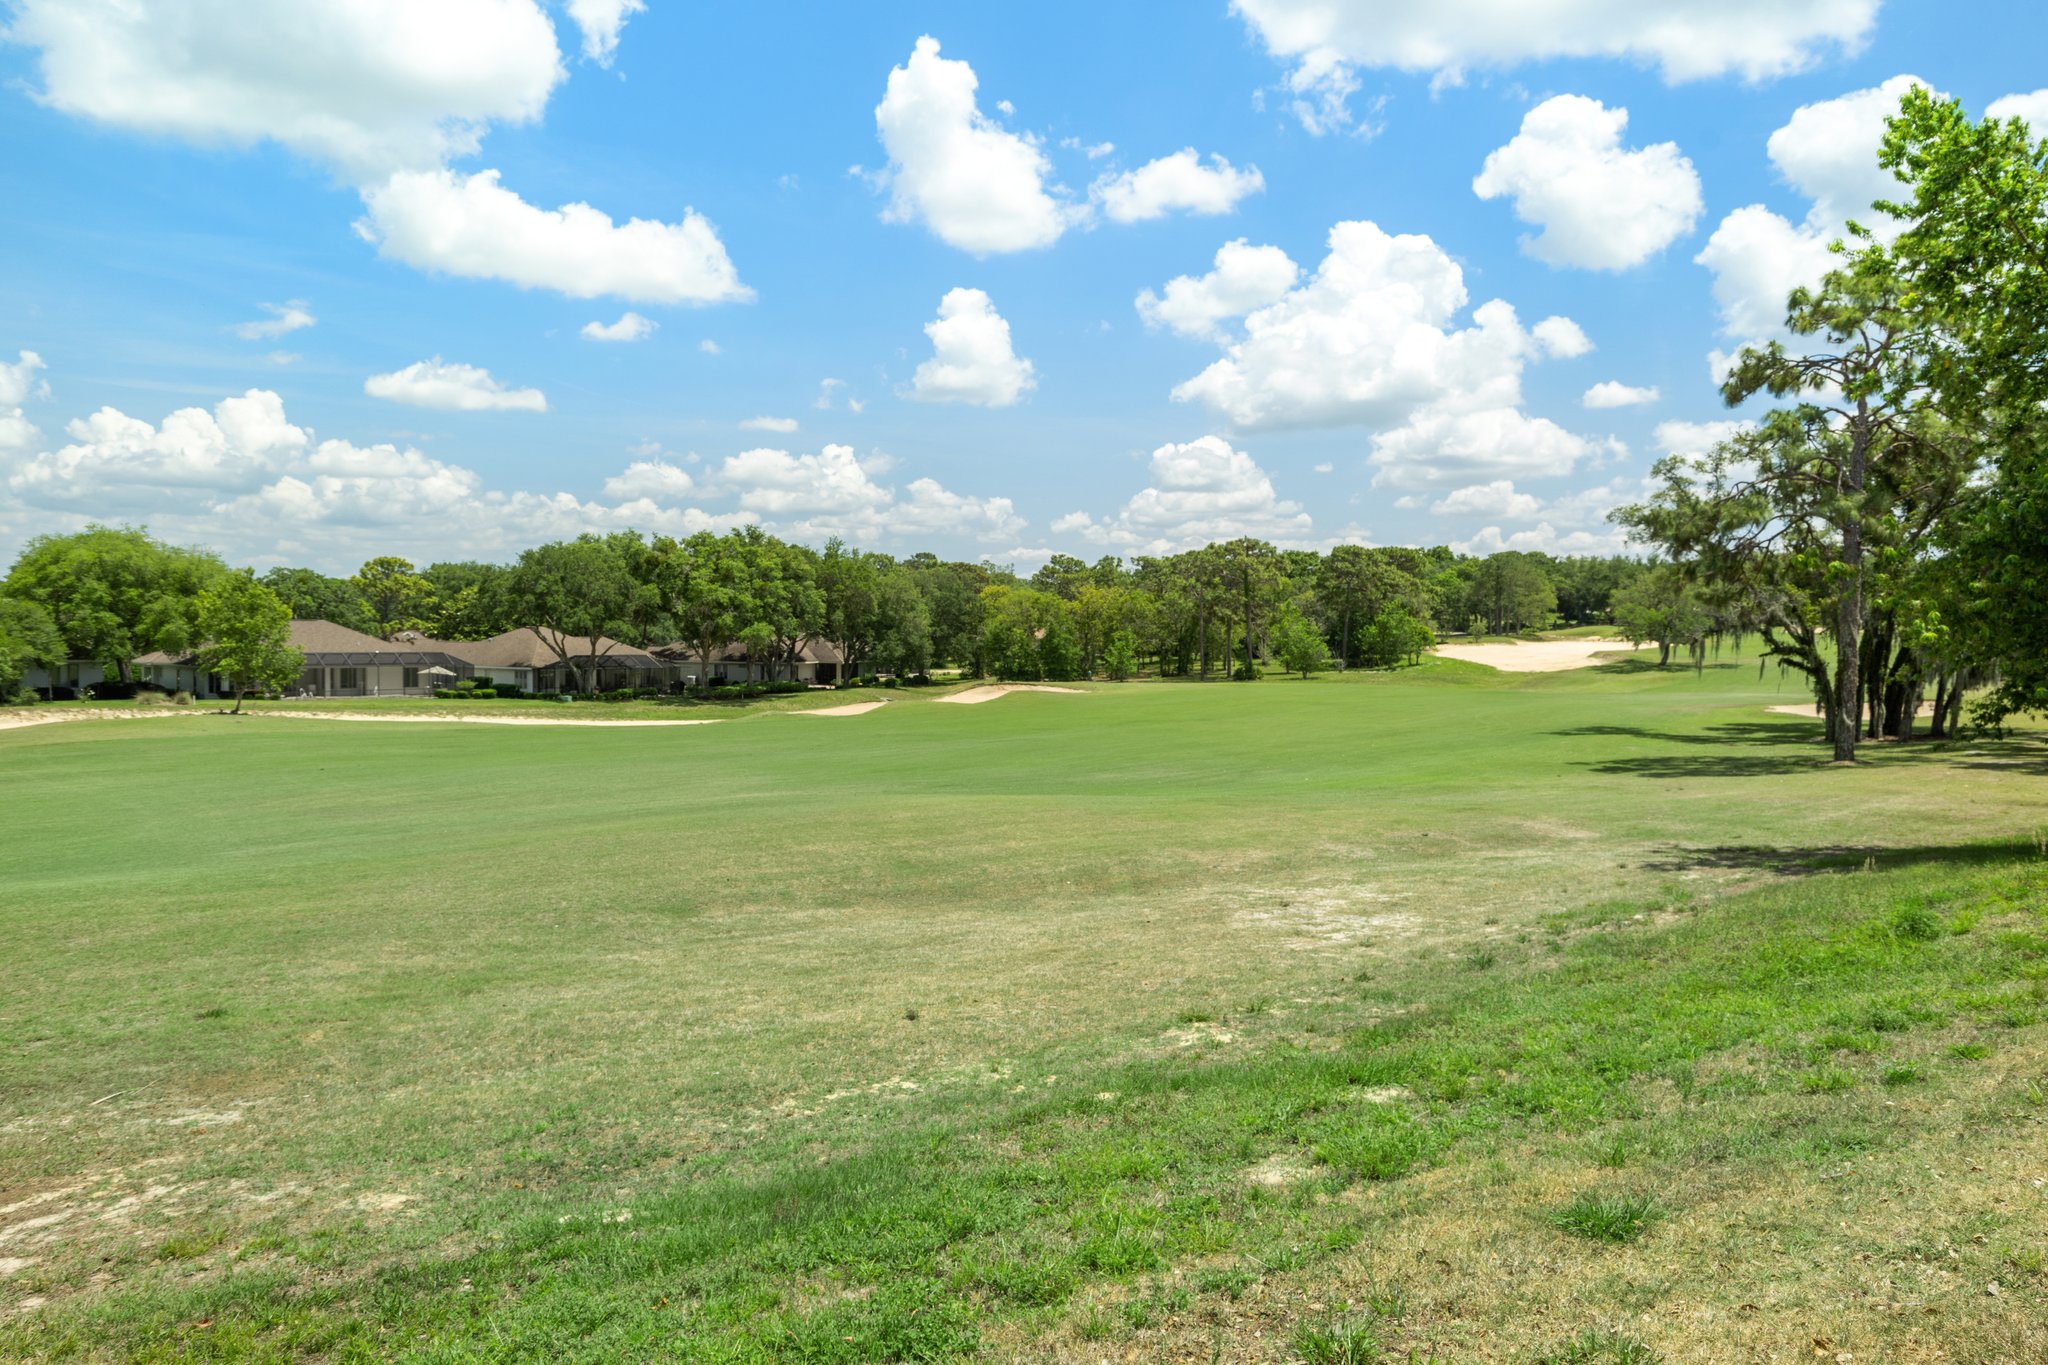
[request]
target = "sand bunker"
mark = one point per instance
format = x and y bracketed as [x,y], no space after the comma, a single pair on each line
[856,708]
[974,696]
[1534,656]
[14,719]
[1814,712]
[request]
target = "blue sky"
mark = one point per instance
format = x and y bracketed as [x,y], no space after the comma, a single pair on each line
[389,176]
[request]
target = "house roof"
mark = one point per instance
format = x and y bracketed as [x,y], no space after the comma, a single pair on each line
[814,651]
[525,648]
[327,645]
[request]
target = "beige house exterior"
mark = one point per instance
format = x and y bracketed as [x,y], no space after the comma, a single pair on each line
[532,661]
[339,663]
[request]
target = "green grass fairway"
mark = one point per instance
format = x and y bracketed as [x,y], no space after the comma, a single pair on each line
[1572,1016]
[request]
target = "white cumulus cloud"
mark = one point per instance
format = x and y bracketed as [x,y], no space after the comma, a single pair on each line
[1544,538]
[1244,278]
[1685,39]
[1561,338]
[1202,491]
[284,317]
[630,327]
[1693,439]
[1611,393]
[1373,338]
[781,425]
[601,22]
[1495,499]
[2032,107]
[1177,183]
[1827,151]
[453,388]
[973,360]
[975,184]
[367,86]
[470,225]
[1599,205]
[654,479]
[387,93]
[1445,445]
[243,477]
[17,383]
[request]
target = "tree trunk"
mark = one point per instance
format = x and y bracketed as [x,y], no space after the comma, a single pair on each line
[1663,653]
[1344,646]
[240,693]
[1937,727]
[1249,669]
[1849,614]
[1202,636]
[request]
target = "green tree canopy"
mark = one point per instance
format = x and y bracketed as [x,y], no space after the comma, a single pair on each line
[114,592]
[247,633]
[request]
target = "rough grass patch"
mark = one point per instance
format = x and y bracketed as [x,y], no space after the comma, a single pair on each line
[1916,924]
[1602,1348]
[1340,1341]
[1377,1142]
[1616,1218]
[1827,1080]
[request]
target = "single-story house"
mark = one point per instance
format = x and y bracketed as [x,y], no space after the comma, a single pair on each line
[818,662]
[339,663]
[74,676]
[525,659]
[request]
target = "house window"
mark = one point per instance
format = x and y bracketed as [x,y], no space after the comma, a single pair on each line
[409,677]
[348,679]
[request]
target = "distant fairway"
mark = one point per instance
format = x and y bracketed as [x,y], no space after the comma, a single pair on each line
[526,1042]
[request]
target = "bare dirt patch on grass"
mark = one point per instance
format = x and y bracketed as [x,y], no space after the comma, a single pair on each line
[857,708]
[1534,656]
[974,696]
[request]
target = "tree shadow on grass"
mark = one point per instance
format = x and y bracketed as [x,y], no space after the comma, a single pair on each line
[1675,667]
[1735,745]
[1801,862]
[1717,737]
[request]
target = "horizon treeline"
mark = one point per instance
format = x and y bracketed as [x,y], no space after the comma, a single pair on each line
[110,594]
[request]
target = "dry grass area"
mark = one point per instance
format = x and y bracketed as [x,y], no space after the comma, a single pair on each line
[1044,1031]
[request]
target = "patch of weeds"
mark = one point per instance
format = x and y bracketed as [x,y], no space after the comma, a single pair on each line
[1828,1080]
[1379,1142]
[1613,1153]
[1602,1348]
[185,1246]
[1609,1217]
[2027,1260]
[1255,1007]
[1230,1281]
[1186,1017]
[1156,1307]
[1280,1260]
[1894,1018]
[1969,1052]
[1340,1341]
[212,1012]
[1480,959]
[1391,1302]
[1848,1042]
[1094,1325]
[1916,924]
[1900,1075]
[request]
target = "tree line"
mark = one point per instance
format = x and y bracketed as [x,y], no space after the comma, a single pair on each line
[109,594]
